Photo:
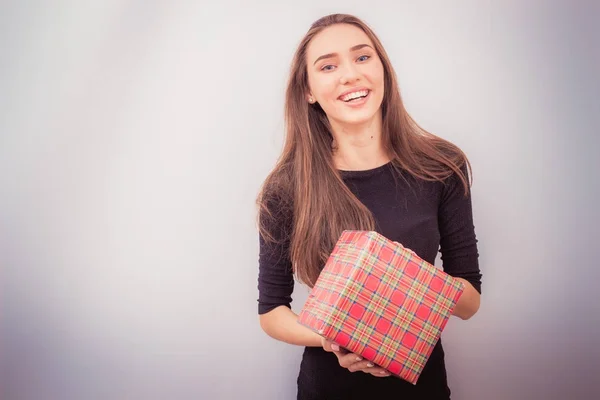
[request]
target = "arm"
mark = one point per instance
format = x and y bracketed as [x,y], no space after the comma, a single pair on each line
[458,244]
[468,303]
[281,324]
[275,278]
[275,286]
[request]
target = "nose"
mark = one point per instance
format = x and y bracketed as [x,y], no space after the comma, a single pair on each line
[349,74]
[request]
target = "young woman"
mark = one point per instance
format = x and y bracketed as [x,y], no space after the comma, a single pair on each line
[354,159]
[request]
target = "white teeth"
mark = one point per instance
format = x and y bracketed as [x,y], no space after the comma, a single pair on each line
[354,95]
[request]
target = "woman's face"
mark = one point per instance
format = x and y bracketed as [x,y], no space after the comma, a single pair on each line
[345,74]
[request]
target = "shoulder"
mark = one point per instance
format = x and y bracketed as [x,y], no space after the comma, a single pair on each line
[453,166]
[438,163]
[446,148]
[275,205]
[276,194]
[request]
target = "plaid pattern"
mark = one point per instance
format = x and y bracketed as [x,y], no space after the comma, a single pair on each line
[380,300]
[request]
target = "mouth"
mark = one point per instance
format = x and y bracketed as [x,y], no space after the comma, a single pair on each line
[355,96]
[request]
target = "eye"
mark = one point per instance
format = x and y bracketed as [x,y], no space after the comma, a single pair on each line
[327,67]
[363,58]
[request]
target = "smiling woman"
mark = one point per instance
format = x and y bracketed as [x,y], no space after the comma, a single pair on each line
[354,159]
[332,77]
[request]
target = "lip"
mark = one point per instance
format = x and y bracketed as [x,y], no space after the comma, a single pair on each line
[356,89]
[358,103]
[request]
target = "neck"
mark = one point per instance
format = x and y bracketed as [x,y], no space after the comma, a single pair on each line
[358,146]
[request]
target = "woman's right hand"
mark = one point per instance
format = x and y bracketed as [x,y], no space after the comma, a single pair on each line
[353,362]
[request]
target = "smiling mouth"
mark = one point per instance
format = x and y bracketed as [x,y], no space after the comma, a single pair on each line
[355,97]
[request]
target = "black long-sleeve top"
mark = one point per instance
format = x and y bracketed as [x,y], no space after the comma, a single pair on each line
[424,216]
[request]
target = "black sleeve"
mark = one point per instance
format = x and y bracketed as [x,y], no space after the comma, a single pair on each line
[458,243]
[275,276]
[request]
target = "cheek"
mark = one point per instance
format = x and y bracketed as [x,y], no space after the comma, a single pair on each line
[327,89]
[373,72]
[377,76]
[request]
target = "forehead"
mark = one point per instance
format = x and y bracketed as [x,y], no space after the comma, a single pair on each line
[337,38]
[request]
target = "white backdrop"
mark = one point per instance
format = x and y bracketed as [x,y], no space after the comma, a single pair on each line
[134,137]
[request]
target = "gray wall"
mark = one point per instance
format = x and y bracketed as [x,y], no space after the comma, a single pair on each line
[133,139]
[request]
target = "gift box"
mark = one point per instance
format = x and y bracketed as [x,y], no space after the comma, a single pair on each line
[378,299]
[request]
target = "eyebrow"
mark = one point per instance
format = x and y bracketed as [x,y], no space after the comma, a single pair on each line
[331,55]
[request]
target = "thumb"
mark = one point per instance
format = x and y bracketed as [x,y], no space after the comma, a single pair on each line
[329,345]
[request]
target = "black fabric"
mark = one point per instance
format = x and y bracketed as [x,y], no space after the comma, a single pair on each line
[424,216]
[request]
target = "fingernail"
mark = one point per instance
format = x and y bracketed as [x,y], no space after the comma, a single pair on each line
[383,373]
[370,365]
[335,347]
[358,358]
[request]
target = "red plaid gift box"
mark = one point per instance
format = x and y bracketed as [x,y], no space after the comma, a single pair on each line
[380,300]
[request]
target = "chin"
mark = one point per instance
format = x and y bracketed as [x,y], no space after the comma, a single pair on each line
[357,118]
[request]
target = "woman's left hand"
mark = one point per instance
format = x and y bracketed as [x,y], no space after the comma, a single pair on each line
[354,362]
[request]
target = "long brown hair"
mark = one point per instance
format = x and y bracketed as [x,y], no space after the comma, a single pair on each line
[309,188]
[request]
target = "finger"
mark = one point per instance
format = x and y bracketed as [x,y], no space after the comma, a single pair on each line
[365,366]
[347,360]
[360,365]
[401,245]
[327,346]
[377,371]
[369,368]
[330,346]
